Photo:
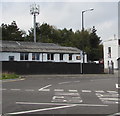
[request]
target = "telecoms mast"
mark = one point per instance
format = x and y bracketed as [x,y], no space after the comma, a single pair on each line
[34,10]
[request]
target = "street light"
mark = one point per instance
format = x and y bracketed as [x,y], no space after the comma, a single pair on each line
[83,17]
[82,68]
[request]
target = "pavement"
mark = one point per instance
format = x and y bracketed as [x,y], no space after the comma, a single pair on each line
[72,75]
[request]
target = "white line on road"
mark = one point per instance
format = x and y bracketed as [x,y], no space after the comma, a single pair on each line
[44,87]
[73,90]
[2,89]
[31,103]
[58,90]
[112,91]
[86,91]
[64,82]
[45,90]
[40,110]
[15,89]
[67,94]
[113,99]
[99,91]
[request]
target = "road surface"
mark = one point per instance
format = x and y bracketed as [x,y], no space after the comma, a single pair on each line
[61,94]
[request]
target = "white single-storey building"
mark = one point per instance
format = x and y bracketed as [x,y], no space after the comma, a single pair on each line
[39,52]
[111,52]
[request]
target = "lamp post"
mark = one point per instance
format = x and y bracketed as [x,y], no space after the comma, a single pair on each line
[82,70]
[83,17]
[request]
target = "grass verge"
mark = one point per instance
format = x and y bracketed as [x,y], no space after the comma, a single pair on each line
[9,76]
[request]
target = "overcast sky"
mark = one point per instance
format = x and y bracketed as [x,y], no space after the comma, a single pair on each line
[65,15]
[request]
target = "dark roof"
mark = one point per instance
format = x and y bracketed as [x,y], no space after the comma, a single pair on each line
[18,46]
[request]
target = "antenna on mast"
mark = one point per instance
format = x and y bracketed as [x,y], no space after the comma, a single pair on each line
[34,10]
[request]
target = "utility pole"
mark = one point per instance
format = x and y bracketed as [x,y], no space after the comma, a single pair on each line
[34,10]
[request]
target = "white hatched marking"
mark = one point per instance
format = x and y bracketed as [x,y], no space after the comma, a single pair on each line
[113,99]
[73,90]
[58,97]
[58,90]
[86,91]
[112,91]
[67,94]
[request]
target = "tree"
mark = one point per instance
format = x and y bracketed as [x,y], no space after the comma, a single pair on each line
[95,48]
[12,32]
[86,40]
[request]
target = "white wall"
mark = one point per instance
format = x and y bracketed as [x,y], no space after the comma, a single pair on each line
[74,58]
[44,57]
[65,57]
[114,52]
[4,56]
[56,57]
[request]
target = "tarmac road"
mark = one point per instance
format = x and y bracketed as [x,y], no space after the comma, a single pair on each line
[61,94]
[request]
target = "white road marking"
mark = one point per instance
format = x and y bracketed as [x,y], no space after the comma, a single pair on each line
[45,90]
[73,90]
[58,97]
[112,91]
[44,87]
[117,86]
[99,91]
[40,110]
[64,82]
[13,80]
[86,91]
[67,94]
[15,89]
[107,95]
[58,90]
[28,103]
[113,99]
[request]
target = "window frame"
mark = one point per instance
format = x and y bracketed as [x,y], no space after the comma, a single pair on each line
[11,58]
[50,56]
[70,57]
[35,56]
[24,56]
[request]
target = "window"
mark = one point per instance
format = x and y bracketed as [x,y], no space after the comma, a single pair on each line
[109,52]
[61,56]
[78,58]
[50,56]
[35,56]
[11,58]
[70,56]
[23,56]
[118,41]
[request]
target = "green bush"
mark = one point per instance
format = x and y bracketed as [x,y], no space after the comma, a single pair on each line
[9,76]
